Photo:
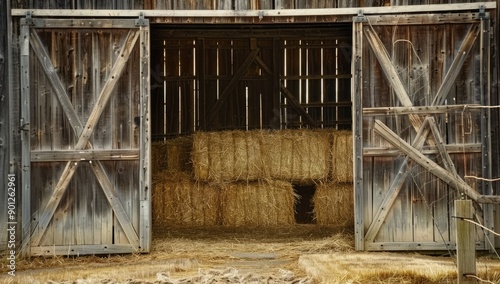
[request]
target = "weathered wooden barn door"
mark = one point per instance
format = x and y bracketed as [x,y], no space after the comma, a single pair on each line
[85,131]
[420,84]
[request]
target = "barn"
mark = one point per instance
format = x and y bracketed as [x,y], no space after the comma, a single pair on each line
[119,116]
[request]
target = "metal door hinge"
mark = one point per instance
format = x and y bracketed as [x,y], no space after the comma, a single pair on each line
[360,17]
[141,22]
[28,20]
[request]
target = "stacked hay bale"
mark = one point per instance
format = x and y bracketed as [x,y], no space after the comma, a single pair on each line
[334,204]
[245,178]
[334,200]
[179,200]
[172,155]
[258,203]
[299,156]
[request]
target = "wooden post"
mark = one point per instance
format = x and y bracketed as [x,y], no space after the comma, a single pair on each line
[466,248]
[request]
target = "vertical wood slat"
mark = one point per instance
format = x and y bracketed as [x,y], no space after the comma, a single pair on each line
[357,88]
[145,145]
[486,126]
[25,138]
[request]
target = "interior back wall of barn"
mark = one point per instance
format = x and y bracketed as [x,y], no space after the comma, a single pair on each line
[117,117]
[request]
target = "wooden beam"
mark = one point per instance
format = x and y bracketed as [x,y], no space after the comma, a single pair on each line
[426,150]
[296,105]
[25,135]
[81,250]
[82,155]
[422,110]
[445,8]
[230,86]
[455,182]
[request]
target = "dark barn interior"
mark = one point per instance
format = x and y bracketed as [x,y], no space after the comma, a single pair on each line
[231,77]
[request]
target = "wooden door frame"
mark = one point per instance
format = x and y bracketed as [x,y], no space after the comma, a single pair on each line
[479,26]
[138,32]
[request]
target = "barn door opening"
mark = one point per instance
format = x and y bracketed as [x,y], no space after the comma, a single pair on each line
[420,94]
[85,112]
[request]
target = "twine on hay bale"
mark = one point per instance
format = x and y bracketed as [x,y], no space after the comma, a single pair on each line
[334,204]
[300,155]
[342,155]
[260,203]
[178,200]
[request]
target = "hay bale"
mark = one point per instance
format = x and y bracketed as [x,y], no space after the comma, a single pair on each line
[300,156]
[158,157]
[201,162]
[334,204]
[179,154]
[172,155]
[178,200]
[260,203]
[227,156]
[342,155]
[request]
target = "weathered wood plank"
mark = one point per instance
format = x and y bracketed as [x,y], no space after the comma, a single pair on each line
[411,246]
[144,170]
[84,24]
[81,250]
[296,10]
[358,159]
[25,138]
[391,74]
[450,148]
[113,199]
[432,167]
[392,193]
[456,65]
[422,110]
[81,155]
[107,89]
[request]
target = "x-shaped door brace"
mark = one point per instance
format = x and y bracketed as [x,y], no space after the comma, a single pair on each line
[83,132]
[447,174]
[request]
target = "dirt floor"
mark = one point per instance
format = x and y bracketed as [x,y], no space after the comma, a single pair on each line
[297,254]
